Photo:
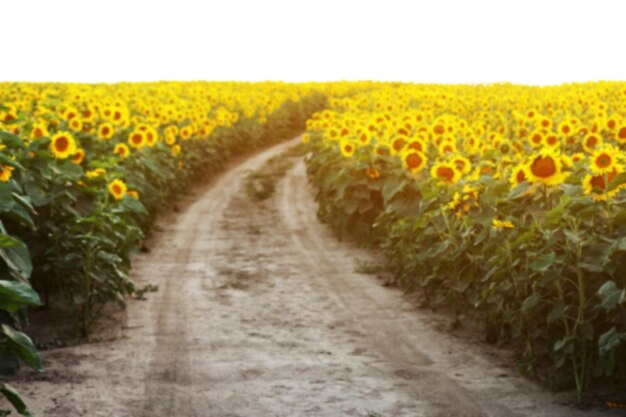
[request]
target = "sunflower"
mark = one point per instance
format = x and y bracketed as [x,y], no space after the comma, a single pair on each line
[545,167]
[347,148]
[75,124]
[137,139]
[499,224]
[552,141]
[39,130]
[462,164]
[176,149]
[95,173]
[417,145]
[5,173]
[117,188]
[535,139]
[620,133]
[151,136]
[79,156]
[396,144]
[518,174]
[134,194]
[446,171]
[63,145]
[413,161]
[603,160]
[122,150]
[591,141]
[105,131]
[600,182]
[306,138]
[372,173]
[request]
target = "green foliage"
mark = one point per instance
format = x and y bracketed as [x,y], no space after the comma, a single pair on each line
[555,281]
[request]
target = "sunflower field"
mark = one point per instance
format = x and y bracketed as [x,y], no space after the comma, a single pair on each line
[500,202]
[85,169]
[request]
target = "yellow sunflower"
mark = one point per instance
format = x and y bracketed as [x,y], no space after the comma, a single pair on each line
[413,161]
[518,174]
[79,156]
[176,149]
[105,131]
[63,145]
[620,133]
[137,139]
[445,171]
[604,160]
[591,141]
[546,168]
[117,188]
[122,150]
[5,173]
[591,183]
[462,164]
[347,148]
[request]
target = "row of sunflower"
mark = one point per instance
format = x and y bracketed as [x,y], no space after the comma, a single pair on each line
[84,170]
[503,202]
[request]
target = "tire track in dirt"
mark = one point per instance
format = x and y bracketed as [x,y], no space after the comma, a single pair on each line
[259,313]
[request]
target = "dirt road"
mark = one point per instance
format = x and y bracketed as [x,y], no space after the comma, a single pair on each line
[260,313]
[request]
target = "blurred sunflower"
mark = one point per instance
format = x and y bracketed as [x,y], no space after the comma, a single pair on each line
[121,150]
[6,173]
[63,145]
[593,183]
[117,188]
[347,148]
[79,156]
[604,160]
[546,168]
[445,171]
[105,131]
[413,161]
[137,139]
[591,141]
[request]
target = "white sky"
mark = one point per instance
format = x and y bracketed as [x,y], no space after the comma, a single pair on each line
[443,41]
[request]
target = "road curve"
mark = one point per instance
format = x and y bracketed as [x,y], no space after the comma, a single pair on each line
[260,313]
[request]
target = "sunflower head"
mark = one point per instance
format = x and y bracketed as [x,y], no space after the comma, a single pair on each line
[446,172]
[122,150]
[604,159]
[117,188]
[63,145]
[347,148]
[137,139]
[79,156]
[596,186]
[413,160]
[105,131]
[545,167]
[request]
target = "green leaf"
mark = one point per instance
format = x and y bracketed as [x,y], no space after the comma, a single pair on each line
[18,260]
[129,204]
[9,139]
[15,295]
[530,302]
[5,160]
[609,341]
[393,187]
[543,262]
[611,296]
[7,241]
[557,312]
[519,191]
[619,180]
[15,399]
[23,347]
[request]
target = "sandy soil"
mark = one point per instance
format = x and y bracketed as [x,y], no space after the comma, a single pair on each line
[260,313]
